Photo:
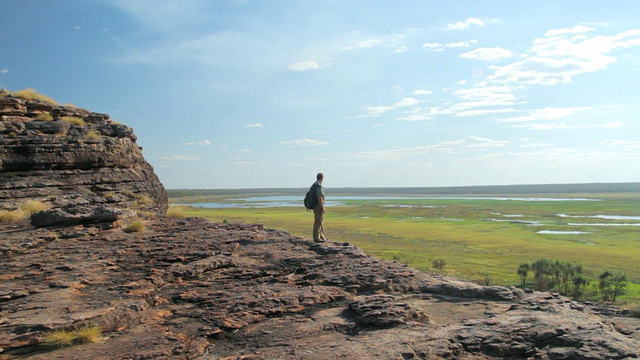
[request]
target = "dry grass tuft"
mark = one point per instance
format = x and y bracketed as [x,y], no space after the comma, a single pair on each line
[9,216]
[136,226]
[33,206]
[32,94]
[43,117]
[62,337]
[176,212]
[93,135]
[74,120]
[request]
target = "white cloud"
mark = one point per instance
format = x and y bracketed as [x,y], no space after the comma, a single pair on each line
[364,44]
[536,145]
[433,46]
[544,126]
[461,25]
[420,113]
[547,113]
[4,71]
[203,142]
[467,144]
[304,66]
[557,59]
[480,112]
[460,44]
[578,29]
[406,102]
[422,92]
[621,144]
[304,142]
[374,111]
[181,158]
[254,125]
[612,125]
[488,54]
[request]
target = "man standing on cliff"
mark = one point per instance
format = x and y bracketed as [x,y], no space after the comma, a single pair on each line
[319,210]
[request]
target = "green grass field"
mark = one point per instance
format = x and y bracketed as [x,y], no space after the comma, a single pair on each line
[478,239]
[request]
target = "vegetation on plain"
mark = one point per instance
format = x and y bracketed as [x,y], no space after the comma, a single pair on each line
[568,279]
[479,239]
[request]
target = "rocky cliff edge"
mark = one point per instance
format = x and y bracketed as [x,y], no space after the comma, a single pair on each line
[78,163]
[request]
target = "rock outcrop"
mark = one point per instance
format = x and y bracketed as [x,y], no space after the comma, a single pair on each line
[65,157]
[191,289]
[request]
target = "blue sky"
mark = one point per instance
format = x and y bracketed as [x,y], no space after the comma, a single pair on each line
[266,93]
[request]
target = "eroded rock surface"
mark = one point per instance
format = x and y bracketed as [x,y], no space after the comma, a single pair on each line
[65,156]
[191,289]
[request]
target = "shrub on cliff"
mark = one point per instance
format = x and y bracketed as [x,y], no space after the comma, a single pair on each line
[31,94]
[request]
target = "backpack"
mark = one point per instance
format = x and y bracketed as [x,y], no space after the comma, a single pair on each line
[311,199]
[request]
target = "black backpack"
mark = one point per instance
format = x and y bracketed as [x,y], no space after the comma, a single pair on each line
[311,199]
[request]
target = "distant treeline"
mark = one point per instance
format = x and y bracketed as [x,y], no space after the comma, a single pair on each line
[409,191]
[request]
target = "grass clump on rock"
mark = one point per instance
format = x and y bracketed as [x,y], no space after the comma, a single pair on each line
[9,216]
[73,120]
[43,117]
[176,212]
[23,211]
[136,226]
[32,94]
[33,206]
[64,337]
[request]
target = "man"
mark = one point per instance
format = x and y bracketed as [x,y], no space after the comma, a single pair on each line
[319,210]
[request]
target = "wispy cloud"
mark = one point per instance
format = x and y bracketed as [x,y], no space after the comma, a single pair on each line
[181,158]
[488,54]
[202,143]
[364,44]
[461,25]
[4,71]
[433,46]
[304,142]
[467,144]
[422,92]
[578,29]
[547,113]
[621,144]
[304,66]
[460,44]
[254,126]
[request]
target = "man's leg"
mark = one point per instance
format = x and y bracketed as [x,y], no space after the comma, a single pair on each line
[318,223]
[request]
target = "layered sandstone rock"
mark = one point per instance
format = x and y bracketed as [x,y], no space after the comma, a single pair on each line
[191,289]
[65,156]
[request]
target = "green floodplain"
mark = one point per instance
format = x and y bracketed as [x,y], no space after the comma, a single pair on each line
[481,234]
